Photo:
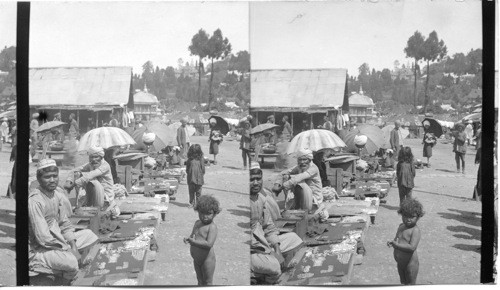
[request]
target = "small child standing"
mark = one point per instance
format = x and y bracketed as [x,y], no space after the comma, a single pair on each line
[406,241]
[405,172]
[195,169]
[202,239]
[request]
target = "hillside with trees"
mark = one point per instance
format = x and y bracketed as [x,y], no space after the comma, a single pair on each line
[444,79]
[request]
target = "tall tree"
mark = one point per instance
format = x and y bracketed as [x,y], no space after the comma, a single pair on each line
[433,49]
[218,47]
[199,47]
[414,49]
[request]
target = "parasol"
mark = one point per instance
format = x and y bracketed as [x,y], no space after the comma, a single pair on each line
[434,128]
[315,139]
[387,132]
[476,117]
[222,124]
[262,127]
[375,136]
[49,126]
[165,135]
[105,137]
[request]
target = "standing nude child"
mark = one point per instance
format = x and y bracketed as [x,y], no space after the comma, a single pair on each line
[202,239]
[406,241]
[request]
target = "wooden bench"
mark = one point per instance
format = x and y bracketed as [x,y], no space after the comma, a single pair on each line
[49,154]
[264,155]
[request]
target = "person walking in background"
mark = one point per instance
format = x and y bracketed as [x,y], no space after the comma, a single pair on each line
[113,122]
[469,132]
[202,239]
[195,169]
[394,139]
[272,138]
[74,130]
[5,130]
[287,130]
[429,141]
[406,241]
[215,139]
[460,147]
[327,125]
[405,172]
[245,143]
[34,136]
[183,137]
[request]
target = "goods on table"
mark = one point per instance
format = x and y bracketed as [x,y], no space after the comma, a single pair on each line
[384,174]
[329,193]
[119,191]
[268,148]
[127,282]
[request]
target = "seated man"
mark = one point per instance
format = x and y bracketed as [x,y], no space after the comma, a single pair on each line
[95,177]
[304,180]
[265,235]
[53,244]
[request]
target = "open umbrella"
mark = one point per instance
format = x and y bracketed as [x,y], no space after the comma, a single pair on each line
[165,135]
[435,127]
[49,126]
[387,132]
[221,124]
[315,139]
[105,137]
[262,127]
[375,138]
[476,117]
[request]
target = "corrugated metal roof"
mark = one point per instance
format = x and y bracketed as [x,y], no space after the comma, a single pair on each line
[298,89]
[358,100]
[145,98]
[79,86]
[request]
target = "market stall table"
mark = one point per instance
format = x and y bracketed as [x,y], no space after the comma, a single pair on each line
[264,155]
[121,256]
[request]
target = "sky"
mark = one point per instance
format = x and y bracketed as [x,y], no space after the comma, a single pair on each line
[346,34]
[129,33]
[8,18]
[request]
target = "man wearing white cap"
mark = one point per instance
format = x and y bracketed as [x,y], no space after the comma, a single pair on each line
[53,244]
[268,246]
[96,178]
[303,179]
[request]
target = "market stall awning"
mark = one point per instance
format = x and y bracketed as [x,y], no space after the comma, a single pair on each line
[9,115]
[298,90]
[80,87]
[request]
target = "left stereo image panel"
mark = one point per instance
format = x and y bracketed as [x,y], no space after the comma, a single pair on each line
[136,174]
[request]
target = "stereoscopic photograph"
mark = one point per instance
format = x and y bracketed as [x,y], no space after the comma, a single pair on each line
[356,126]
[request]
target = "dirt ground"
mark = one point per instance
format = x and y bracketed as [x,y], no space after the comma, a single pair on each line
[449,250]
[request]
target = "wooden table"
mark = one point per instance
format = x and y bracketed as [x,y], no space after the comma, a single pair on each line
[264,155]
[49,154]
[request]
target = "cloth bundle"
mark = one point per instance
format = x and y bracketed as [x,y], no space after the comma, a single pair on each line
[120,191]
[329,193]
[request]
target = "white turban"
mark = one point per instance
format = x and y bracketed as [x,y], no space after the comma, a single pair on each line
[305,152]
[360,140]
[213,121]
[44,163]
[35,115]
[93,150]
[426,123]
[149,161]
[148,138]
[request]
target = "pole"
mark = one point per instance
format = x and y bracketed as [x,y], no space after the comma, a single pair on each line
[292,124]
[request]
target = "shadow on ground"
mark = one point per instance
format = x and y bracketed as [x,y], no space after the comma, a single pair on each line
[470,233]
[233,167]
[389,207]
[245,211]
[223,190]
[446,170]
[443,194]
[470,248]
[179,204]
[467,217]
